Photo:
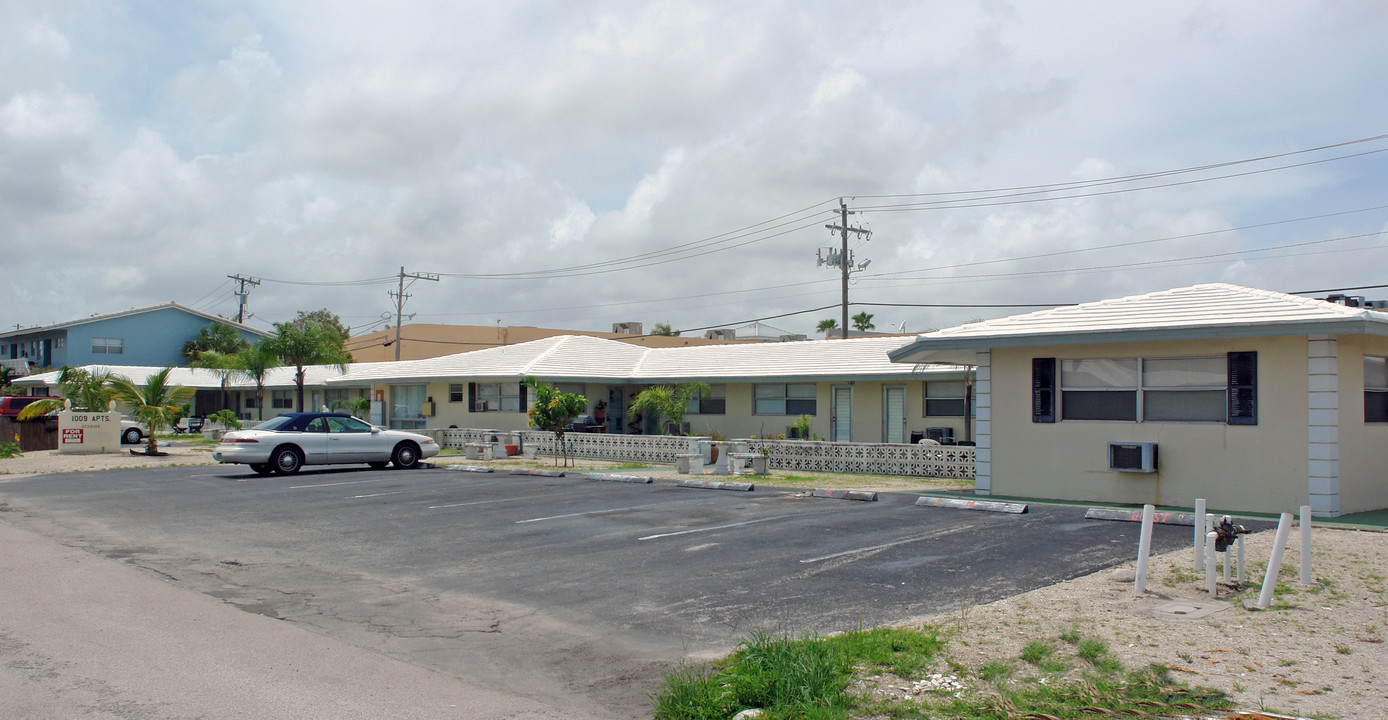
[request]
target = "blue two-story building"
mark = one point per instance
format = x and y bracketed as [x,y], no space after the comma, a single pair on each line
[152,335]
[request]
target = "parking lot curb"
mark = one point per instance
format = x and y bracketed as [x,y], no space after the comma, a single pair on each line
[469,468]
[984,505]
[1161,518]
[862,495]
[538,473]
[610,477]
[717,485]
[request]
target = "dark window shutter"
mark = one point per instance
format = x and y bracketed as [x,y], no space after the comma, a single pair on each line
[1043,390]
[472,397]
[523,404]
[1243,388]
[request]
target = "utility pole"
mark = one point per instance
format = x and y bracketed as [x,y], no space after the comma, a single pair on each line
[243,293]
[845,259]
[400,297]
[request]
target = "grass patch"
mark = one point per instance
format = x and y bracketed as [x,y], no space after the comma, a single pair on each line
[813,677]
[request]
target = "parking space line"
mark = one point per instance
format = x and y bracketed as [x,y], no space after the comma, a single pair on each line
[317,485]
[502,500]
[883,546]
[717,527]
[590,512]
[372,495]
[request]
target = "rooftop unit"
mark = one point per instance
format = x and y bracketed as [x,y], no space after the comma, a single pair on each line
[721,334]
[627,328]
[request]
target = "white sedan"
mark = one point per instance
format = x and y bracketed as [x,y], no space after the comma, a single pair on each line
[286,443]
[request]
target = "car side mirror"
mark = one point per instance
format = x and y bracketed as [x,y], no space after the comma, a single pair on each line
[375,431]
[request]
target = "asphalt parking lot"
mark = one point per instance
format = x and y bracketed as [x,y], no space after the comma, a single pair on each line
[548,586]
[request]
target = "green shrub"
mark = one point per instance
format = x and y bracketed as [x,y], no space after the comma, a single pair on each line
[1036,651]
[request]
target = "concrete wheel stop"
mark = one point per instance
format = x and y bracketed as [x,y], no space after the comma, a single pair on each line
[962,504]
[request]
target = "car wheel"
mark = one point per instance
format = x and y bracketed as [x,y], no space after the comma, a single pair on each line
[287,460]
[406,456]
[378,465]
[262,468]
[130,436]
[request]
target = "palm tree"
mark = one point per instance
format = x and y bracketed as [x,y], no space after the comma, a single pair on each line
[254,363]
[156,403]
[88,391]
[308,344]
[862,322]
[218,337]
[223,365]
[827,326]
[669,402]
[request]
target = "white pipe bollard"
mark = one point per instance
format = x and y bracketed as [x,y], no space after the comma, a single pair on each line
[1199,532]
[1210,564]
[1144,549]
[1279,545]
[1305,544]
[1239,540]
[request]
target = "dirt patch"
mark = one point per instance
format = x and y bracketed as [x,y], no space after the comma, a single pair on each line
[1318,651]
[45,462]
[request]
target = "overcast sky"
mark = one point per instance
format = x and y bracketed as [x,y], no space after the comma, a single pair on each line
[677,161]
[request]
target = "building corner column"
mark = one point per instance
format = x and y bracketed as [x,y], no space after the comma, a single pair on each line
[983,423]
[1323,425]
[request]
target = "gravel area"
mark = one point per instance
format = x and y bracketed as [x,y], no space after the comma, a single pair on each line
[1319,651]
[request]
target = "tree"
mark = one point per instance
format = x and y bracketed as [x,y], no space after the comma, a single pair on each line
[552,410]
[216,337]
[827,326]
[254,363]
[223,365]
[156,403]
[308,343]
[89,391]
[664,329]
[862,322]
[325,318]
[669,402]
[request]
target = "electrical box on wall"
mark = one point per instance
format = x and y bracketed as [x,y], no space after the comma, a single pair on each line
[426,409]
[1132,457]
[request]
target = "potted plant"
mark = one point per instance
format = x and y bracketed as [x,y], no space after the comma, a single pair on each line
[761,462]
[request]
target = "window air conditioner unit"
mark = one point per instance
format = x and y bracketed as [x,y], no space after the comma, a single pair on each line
[1132,457]
[480,406]
[942,435]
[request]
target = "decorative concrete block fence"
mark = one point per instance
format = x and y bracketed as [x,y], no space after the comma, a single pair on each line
[952,461]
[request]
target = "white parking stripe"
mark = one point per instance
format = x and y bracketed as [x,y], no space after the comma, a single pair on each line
[590,512]
[318,485]
[857,551]
[358,497]
[490,502]
[715,527]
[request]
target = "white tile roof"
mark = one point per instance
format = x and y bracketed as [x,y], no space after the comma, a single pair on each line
[1181,313]
[579,358]
[279,378]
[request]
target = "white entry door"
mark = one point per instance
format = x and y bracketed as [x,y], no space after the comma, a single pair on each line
[894,414]
[843,414]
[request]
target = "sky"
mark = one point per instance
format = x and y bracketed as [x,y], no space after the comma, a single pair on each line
[574,165]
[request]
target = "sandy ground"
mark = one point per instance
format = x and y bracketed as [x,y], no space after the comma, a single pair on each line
[1319,651]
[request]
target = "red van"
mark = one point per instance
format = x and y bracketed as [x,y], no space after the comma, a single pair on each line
[11,405]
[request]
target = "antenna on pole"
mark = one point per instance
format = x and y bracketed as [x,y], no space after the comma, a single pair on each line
[842,257]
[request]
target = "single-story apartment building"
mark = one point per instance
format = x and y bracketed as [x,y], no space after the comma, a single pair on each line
[1251,399]
[850,389]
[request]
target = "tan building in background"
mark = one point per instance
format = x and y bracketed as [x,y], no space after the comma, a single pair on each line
[420,341]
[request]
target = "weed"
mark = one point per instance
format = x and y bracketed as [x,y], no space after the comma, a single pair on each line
[995,670]
[1091,649]
[9,450]
[1071,636]
[1036,651]
[1343,649]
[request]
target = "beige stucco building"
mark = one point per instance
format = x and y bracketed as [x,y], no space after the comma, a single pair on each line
[1252,400]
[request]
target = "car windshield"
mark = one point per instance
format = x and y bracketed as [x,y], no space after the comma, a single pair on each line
[273,423]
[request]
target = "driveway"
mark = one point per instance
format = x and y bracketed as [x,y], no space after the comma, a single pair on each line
[569,590]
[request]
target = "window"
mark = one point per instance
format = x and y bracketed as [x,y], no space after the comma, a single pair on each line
[59,342]
[250,402]
[496,397]
[1188,389]
[788,399]
[282,399]
[944,398]
[407,407]
[715,404]
[1375,389]
[455,392]
[340,400]
[108,346]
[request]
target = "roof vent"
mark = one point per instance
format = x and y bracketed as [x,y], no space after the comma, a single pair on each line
[627,328]
[793,338]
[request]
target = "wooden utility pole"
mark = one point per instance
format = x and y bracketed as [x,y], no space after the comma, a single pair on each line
[845,262]
[400,300]
[242,294]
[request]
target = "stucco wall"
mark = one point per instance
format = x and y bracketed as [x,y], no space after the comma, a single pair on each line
[150,338]
[1252,468]
[1363,456]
